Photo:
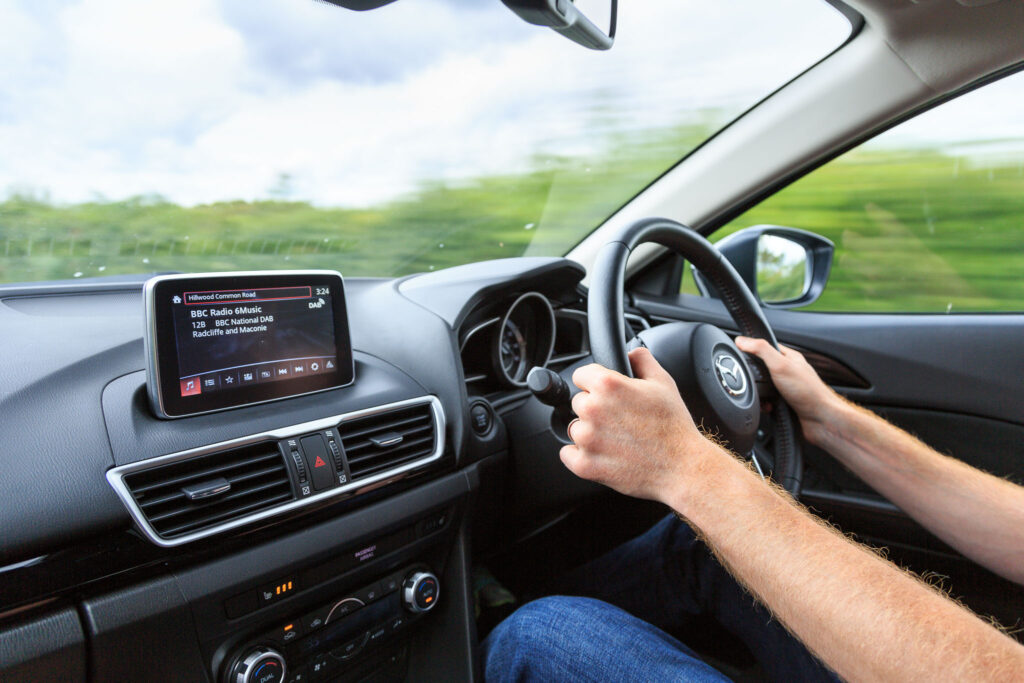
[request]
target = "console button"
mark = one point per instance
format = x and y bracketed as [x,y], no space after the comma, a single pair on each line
[277,591]
[420,592]
[351,648]
[290,631]
[318,462]
[260,665]
[396,624]
[315,620]
[319,667]
[369,593]
[480,418]
[391,584]
[378,632]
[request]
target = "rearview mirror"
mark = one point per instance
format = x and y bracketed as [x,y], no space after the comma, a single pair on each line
[595,29]
[784,267]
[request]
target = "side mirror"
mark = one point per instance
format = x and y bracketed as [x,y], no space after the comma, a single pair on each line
[595,30]
[784,267]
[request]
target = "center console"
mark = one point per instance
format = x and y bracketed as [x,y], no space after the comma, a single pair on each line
[332,639]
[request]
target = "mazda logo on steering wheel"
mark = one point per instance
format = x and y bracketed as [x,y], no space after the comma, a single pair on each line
[730,374]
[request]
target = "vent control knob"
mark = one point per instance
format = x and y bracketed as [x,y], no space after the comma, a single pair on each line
[259,665]
[420,592]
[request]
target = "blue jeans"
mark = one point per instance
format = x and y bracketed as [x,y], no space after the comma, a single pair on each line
[633,595]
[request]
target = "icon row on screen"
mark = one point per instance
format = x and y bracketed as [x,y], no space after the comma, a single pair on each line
[255,374]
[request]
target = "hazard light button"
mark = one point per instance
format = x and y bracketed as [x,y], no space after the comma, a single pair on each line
[318,462]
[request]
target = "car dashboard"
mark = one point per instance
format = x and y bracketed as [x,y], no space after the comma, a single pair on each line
[343,549]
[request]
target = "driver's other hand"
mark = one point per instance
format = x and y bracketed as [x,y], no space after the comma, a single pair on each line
[794,377]
[634,435]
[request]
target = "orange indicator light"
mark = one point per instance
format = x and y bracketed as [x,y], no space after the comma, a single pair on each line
[429,600]
[289,627]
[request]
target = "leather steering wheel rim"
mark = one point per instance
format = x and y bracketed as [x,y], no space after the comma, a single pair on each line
[605,313]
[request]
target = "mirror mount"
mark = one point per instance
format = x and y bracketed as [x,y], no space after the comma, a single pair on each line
[564,17]
[742,249]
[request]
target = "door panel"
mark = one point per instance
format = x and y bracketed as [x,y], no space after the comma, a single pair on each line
[970,364]
[956,382]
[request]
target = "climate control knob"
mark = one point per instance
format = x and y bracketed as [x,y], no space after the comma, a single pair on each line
[420,592]
[260,665]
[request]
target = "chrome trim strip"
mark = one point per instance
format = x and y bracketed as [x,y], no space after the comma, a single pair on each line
[571,313]
[551,321]
[116,475]
[638,319]
[149,338]
[474,330]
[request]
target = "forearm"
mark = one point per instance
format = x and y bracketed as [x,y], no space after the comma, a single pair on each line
[865,618]
[980,515]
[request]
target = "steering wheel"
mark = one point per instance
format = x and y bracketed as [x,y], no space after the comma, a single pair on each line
[713,376]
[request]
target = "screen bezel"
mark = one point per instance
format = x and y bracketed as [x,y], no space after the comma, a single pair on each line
[162,369]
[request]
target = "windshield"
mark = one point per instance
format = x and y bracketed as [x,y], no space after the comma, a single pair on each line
[208,135]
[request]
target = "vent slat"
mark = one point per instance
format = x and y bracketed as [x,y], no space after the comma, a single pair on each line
[224,516]
[235,480]
[386,425]
[373,469]
[405,446]
[414,423]
[200,474]
[361,445]
[190,507]
[257,473]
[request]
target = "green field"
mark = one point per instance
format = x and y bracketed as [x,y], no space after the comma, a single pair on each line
[915,230]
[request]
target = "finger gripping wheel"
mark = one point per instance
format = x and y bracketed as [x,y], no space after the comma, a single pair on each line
[697,376]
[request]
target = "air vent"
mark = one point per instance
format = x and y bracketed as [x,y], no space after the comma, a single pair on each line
[386,440]
[194,494]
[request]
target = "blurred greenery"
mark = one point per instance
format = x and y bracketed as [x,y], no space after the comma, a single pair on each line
[545,209]
[916,230]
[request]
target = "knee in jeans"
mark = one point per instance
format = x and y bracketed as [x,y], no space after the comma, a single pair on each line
[538,626]
[535,622]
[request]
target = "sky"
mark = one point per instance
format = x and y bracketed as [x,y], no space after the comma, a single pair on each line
[209,100]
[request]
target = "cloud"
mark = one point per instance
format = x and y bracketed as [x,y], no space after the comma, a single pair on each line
[206,100]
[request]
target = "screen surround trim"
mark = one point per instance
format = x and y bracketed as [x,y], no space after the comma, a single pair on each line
[154,352]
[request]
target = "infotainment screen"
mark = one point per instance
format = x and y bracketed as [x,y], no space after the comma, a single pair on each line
[222,340]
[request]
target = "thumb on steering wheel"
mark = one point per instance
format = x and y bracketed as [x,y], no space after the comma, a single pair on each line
[646,366]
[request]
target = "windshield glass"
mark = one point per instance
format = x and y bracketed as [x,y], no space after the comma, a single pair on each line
[208,135]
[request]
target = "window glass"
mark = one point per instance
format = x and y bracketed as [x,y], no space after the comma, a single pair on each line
[253,134]
[927,217]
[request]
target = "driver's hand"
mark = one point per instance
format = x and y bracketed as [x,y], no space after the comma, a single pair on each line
[795,379]
[634,435]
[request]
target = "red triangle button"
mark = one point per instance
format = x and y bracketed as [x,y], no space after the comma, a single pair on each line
[319,462]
